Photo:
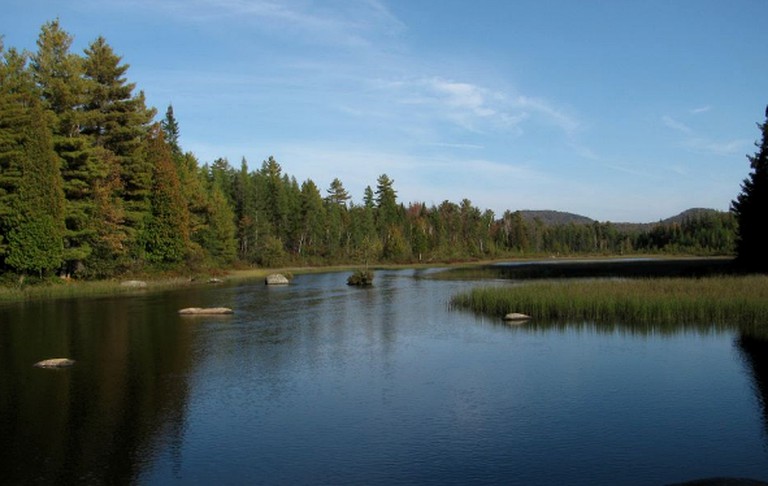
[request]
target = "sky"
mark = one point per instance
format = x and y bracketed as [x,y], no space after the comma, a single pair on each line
[623,111]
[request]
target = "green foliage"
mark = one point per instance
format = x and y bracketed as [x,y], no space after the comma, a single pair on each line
[219,233]
[751,208]
[171,131]
[33,221]
[167,232]
[361,278]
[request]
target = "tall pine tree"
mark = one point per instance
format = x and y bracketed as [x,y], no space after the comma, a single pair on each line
[58,75]
[117,120]
[751,209]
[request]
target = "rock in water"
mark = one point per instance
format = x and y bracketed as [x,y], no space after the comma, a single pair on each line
[276,279]
[516,317]
[201,311]
[134,284]
[55,363]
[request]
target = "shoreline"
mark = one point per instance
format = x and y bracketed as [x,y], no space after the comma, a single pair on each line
[98,288]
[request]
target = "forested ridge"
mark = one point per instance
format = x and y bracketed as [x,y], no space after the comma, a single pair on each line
[92,185]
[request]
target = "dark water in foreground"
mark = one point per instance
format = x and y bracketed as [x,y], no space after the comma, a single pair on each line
[319,383]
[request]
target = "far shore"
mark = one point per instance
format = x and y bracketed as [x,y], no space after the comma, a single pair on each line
[59,288]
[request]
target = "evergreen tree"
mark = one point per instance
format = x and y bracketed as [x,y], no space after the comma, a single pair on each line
[115,119]
[337,194]
[751,209]
[171,131]
[312,219]
[16,91]
[31,196]
[247,218]
[366,244]
[368,198]
[386,201]
[274,197]
[219,233]
[337,229]
[109,255]
[167,233]
[58,75]
[194,189]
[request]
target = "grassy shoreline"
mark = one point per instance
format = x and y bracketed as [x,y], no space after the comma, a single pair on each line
[726,300]
[57,289]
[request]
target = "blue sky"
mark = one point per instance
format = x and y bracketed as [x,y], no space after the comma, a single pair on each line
[617,110]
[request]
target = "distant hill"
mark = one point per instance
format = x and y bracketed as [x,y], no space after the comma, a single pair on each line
[690,213]
[553,218]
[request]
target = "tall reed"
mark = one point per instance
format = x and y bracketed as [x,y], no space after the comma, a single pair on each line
[731,300]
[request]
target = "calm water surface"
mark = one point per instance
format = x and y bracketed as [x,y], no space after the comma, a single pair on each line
[320,383]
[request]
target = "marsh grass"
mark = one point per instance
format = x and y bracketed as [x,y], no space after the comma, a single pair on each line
[55,289]
[740,301]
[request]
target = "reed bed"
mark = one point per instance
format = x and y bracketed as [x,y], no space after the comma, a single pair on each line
[723,300]
[59,290]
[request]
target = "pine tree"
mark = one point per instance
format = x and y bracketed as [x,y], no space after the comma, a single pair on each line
[58,75]
[312,219]
[220,228]
[245,213]
[337,194]
[338,235]
[171,131]
[751,209]
[274,197]
[31,197]
[114,119]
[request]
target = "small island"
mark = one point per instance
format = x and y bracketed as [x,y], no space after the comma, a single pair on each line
[361,278]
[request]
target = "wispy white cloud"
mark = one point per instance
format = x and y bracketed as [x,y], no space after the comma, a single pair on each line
[726,148]
[350,24]
[549,113]
[701,109]
[478,108]
[676,125]
[695,142]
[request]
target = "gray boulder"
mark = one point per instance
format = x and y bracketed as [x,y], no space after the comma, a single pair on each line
[516,317]
[205,311]
[134,284]
[276,279]
[54,363]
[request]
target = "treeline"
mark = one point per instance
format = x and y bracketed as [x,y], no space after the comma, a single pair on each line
[92,186]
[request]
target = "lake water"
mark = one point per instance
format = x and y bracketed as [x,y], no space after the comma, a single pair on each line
[320,383]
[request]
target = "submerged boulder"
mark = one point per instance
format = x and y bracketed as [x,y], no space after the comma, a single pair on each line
[198,311]
[55,363]
[276,279]
[516,317]
[134,284]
